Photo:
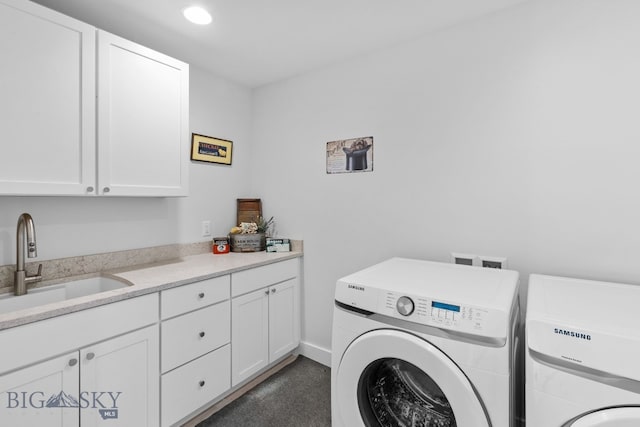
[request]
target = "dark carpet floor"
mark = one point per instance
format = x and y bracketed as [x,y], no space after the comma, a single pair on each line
[298,395]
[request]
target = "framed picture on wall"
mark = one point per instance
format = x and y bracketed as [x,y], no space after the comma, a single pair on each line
[350,155]
[211,150]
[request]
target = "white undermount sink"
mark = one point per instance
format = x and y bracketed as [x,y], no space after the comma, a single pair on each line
[60,292]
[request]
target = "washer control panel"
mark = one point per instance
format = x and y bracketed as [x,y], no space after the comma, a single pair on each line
[426,310]
[438,313]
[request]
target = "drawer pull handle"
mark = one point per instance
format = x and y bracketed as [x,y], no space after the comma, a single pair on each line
[201,295]
[90,356]
[73,362]
[201,383]
[201,334]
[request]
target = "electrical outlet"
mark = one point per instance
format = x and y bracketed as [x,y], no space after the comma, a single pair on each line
[493,262]
[206,228]
[463,259]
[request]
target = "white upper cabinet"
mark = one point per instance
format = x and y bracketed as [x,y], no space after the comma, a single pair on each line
[143,119]
[56,139]
[47,102]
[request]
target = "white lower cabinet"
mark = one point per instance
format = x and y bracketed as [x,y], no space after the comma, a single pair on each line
[115,380]
[26,392]
[265,322]
[250,334]
[284,333]
[116,365]
[119,380]
[195,349]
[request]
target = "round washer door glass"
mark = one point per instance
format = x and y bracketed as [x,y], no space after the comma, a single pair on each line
[611,417]
[393,392]
[390,378]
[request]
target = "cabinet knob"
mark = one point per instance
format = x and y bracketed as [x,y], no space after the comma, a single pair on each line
[89,189]
[201,295]
[73,362]
[273,291]
[201,383]
[266,292]
[106,189]
[201,334]
[90,356]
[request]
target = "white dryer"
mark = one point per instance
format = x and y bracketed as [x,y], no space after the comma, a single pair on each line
[419,343]
[582,353]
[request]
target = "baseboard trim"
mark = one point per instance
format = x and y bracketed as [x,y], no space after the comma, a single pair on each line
[316,353]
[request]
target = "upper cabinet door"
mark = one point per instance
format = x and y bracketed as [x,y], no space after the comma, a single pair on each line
[47,102]
[143,113]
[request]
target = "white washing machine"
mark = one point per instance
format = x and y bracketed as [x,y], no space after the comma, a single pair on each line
[582,353]
[419,343]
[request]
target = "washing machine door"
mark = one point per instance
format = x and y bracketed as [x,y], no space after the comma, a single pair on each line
[609,417]
[390,378]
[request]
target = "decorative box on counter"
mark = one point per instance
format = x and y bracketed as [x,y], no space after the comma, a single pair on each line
[278,245]
[247,242]
[220,245]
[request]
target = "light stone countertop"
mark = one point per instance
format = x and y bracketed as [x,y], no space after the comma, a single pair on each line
[149,279]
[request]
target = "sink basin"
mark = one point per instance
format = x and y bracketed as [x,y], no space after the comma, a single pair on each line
[60,292]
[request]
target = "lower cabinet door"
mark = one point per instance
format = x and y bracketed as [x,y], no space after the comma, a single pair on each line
[45,394]
[191,386]
[284,323]
[120,381]
[249,334]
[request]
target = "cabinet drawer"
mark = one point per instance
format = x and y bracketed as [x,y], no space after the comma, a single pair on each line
[189,336]
[194,296]
[256,278]
[195,384]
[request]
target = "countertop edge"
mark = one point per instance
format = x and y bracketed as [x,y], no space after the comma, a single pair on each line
[146,281]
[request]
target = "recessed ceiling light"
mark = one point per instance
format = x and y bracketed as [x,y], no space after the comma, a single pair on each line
[197,15]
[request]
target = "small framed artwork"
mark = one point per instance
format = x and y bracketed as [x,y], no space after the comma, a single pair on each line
[211,150]
[350,155]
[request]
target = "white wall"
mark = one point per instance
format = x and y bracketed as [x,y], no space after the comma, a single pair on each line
[515,135]
[68,226]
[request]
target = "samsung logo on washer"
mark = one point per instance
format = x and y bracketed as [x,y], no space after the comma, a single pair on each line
[357,288]
[572,334]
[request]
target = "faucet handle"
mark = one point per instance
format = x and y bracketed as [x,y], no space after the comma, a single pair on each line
[36,277]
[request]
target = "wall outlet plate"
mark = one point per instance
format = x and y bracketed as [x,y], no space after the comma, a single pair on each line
[206,228]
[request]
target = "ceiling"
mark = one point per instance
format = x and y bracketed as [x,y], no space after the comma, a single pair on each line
[257,42]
